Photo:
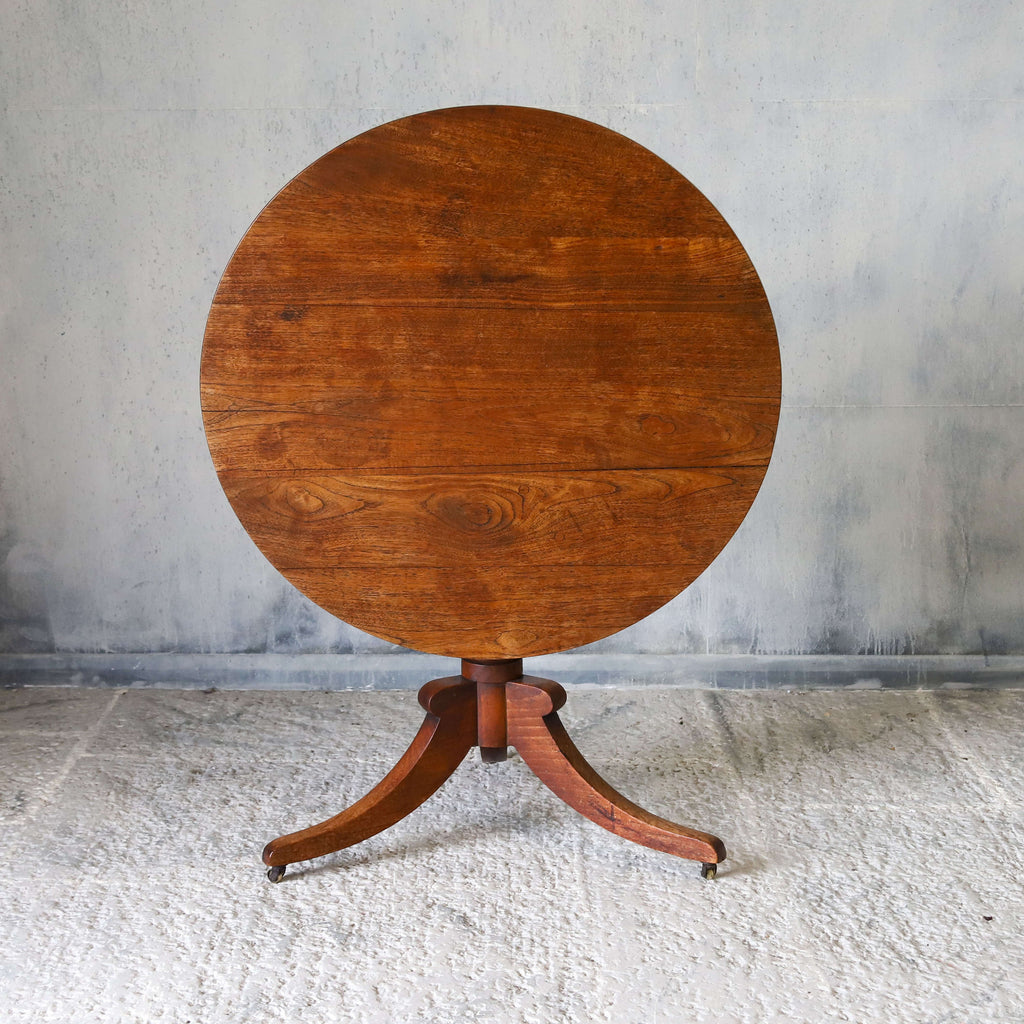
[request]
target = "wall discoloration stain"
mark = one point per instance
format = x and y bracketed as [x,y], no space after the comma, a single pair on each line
[877,181]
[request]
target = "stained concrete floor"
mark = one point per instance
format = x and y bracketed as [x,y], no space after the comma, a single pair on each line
[876,845]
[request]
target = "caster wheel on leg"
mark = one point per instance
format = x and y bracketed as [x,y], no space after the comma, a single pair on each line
[708,870]
[276,873]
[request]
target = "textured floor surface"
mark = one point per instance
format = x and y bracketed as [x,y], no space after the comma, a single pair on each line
[876,868]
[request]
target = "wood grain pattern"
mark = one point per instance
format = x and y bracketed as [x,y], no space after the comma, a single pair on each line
[490,381]
[562,273]
[309,520]
[396,432]
[536,731]
[501,605]
[318,358]
[446,736]
[489,705]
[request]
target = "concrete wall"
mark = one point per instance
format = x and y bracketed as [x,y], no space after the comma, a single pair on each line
[869,155]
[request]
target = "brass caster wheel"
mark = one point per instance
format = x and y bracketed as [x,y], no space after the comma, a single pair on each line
[708,870]
[276,873]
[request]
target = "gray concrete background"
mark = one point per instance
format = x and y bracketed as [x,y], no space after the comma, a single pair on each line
[870,156]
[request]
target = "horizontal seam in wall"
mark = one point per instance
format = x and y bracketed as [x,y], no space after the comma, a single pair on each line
[911,405]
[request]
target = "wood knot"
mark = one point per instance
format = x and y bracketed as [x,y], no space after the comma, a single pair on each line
[656,426]
[303,500]
[513,640]
[474,512]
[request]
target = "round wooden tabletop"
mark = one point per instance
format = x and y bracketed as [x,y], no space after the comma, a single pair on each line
[490,382]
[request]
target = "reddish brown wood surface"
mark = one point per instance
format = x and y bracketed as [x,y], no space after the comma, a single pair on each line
[490,382]
[448,732]
[536,731]
[487,706]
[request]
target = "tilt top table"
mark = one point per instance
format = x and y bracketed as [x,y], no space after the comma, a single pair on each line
[490,382]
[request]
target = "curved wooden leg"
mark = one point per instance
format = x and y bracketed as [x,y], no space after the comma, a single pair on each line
[536,731]
[444,739]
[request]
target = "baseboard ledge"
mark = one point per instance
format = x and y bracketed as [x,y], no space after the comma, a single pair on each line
[409,670]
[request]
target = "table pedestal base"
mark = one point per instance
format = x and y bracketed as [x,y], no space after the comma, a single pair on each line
[492,705]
